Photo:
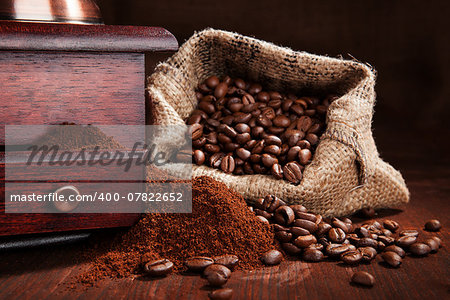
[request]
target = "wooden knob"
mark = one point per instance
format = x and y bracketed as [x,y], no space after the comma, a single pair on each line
[67,191]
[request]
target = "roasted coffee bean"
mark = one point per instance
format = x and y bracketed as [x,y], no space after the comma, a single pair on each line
[221,294]
[391,258]
[386,232]
[324,241]
[393,248]
[306,216]
[293,153]
[212,148]
[207,107]
[363,278]
[215,267]
[316,246]
[292,172]
[271,203]
[387,240]
[272,149]
[272,257]
[391,225]
[336,235]
[304,123]
[242,128]
[196,131]
[419,249]
[277,171]
[409,232]
[284,215]
[367,212]
[313,255]
[323,228]
[212,81]
[304,156]
[227,260]
[227,165]
[297,231]
[221,90]
[218,277]
[433,244]
[216,159]
[199,157]
[367,242]
[278,227]
[335,250]
[198,263]
[248,99]
[304,241]
[367,253]
[272,140]
[158,267]
[268,160]
[283,236]
[405,241]
[297,208]
[306,224]
[340,224]
[381,246]
[433,225]
[352,257]
[291,249]
[263,220]
[438,240]
[265,214]
[281,121]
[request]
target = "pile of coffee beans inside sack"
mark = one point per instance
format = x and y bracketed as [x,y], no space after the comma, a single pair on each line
[242,129]
[313,238]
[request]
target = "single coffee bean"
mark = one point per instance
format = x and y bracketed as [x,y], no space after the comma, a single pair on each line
[433,244]
[158,267]
[291,249]
[367,242]
[278,227]
[433,225]
[227,165]
[268,160]
[212,148]
[336,235]
[352,257]
[409,232]
[391,258]
[272,257]
[340,224]
[405,241]
[199,157]
[272,140]
[304,123]
[196,131]
[391,225]
[217,278]
[367,253]
[221,294]
[283,236]
[304,241]
[316,246]
[248,99]
[438,240]
[277,171]
[419,249]
[284,215]
[221,90]
[323,228]
[386,232]
[293,153]
[306,216]
[297,231]
[387,240]
[198,263]
[243,138]
[306,224]
[324,241]
[281,121]
[216,159]
[212,81]
[313,255]
[263,220]
[214,268]
[265,214]
[228,260]
[393,248]
[363,278]
[271,203]
[381,246]
[292,172]
[336,250]
[298,208]
[304,156]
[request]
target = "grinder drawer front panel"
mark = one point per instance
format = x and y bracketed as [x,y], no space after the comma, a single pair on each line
[78,87]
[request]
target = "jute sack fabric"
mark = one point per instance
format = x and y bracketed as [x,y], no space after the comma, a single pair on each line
[346,173]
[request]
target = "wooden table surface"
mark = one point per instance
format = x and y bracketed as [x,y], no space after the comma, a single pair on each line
[47,272]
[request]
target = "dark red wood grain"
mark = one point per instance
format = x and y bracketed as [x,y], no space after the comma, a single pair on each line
[71,37]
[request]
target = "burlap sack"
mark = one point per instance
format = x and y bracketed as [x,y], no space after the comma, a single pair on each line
[346,173]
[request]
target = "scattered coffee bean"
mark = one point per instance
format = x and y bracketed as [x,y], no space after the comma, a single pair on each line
[221,294]
[158,267]
[336,250]
[283,236]
[228,260]
[304,241]
[336,235]
[438,240]
[284,215]
[433,244]
[352,257]
[363,278]
[419,249]
[218,276]
[409,232]
[368,253]
[198,263]
[313,255]
[272,257]
[216,268]
[433,225]
[405,241]
[391,225]
[391,258]
[291,249]
[396,249]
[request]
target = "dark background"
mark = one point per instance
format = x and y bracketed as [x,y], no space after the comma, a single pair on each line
[406,41]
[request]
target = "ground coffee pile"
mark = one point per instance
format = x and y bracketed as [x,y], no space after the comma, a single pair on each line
[220,223]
